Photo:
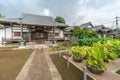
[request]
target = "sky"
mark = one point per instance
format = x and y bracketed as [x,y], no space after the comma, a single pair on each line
[75,12]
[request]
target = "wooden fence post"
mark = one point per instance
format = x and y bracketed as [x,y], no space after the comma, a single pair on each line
[2,40]
[59,54]
[68,61]
[84,73]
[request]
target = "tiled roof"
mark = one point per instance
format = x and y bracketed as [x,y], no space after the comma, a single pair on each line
[33,19]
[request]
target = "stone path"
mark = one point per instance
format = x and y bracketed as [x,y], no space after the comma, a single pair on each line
[39,69]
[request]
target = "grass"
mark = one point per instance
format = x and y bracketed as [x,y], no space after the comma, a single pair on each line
[11,63]
[7,48]
[71,73]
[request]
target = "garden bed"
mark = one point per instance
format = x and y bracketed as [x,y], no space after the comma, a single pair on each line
[11,62]
[71,73]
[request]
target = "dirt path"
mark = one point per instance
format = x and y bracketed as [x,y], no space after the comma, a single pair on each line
[39,69]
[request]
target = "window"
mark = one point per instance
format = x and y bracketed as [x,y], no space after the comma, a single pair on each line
[39,35]
[51,34]
[25,34]
[17,34]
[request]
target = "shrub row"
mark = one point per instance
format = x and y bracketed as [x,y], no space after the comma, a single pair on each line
[90,41]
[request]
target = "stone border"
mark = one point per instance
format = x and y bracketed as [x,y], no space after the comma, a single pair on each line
[79,68]
[53,70]
[24,71]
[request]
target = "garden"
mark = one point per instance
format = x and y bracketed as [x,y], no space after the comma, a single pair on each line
[11,62]
[97,54]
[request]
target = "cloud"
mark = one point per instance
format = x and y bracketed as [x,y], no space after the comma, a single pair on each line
[103,14]
[74,11]
[46,12]
[83,1]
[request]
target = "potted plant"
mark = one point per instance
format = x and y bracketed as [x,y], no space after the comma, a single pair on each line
[95,62]
[77,55]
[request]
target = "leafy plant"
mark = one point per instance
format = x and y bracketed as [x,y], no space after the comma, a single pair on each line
[78,52]
[96,59]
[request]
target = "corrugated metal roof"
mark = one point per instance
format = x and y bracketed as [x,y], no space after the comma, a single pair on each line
[33,19]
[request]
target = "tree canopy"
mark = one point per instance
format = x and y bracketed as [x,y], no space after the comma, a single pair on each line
[1,16]
[60,19]
[84,33]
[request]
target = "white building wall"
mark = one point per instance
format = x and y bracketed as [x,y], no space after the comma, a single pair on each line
[2,33]
[9,33]
[61,34]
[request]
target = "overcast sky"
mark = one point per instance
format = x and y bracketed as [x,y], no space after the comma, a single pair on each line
[74,11]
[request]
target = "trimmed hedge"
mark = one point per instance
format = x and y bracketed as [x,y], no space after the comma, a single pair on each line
[90,41]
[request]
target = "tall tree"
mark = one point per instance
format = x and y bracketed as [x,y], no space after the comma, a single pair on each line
[60,19]
[1,16]
[84,33]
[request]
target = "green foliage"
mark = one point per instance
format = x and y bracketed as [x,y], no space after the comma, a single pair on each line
[1,16]
[1,26]
[84,33]
[90,41]
[118,71]
[60,19]
[59,47]
[96,58]
[76,31]
[98,53]
[116,37]
[79,52]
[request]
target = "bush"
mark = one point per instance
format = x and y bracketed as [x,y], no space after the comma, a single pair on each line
[90,41]
[118,71]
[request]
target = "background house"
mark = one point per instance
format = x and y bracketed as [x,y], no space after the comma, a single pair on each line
[101,29]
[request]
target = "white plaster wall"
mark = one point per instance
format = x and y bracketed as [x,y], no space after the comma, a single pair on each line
[2,34]
[61,34]
[9,34]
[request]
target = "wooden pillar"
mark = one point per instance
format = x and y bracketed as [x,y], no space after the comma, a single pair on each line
[54,33]
[48,33]
[4,32]
[11,30]
[30,34]
[21,31]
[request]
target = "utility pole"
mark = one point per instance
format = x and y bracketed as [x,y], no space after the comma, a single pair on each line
[116,20]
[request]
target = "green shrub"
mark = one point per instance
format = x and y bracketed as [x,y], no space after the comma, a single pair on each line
[79,52]
[118,71]
[90,41]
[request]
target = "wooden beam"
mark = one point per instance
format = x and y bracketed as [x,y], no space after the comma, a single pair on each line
[21,31]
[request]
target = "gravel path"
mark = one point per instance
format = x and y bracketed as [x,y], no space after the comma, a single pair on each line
[39,69]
